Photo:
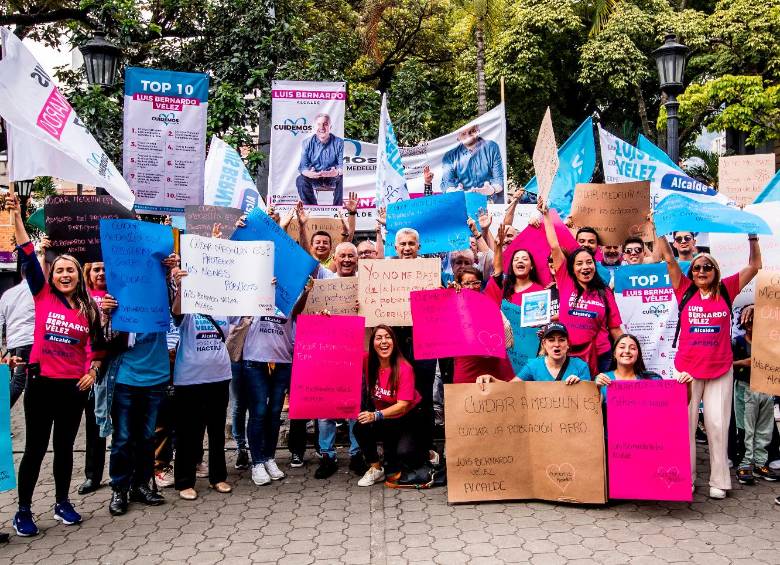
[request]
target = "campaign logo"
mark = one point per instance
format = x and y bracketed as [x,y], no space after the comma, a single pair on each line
[249,200]
[167,119]
[99,161]
[684,183]
[294,126]
[656,310]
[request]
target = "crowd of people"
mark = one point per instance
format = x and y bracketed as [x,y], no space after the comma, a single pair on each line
[157,395]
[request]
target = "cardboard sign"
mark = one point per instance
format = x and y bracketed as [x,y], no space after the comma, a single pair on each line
[545,157]
[649,451]
[227,278]
[743,177]
[338,296]
[332,226]
[524,440]
[73,224]
[200,220]
[384,287]
[765,353]
[452,324]
[616,211]
[327,369]
[7,237]
[440,220]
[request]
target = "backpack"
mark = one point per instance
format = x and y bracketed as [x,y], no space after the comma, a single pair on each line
[687,298]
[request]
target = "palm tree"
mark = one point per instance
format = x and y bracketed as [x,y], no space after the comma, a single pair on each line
[702,164]
[601,11]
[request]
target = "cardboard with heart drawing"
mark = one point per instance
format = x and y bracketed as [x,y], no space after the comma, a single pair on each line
[649,455]
[525,440]
[616,211]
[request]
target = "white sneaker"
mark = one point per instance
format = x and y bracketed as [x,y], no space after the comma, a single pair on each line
[372,476]
[164,478]
[202,470]
[260,475]
[717,493]
[273,470]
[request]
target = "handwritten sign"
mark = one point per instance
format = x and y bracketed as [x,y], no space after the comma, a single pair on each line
[523,214]
[332,226]
[384,287]
[133,252]
[545,156]
[765,354]
[616,211]
[453,324]
[7,474]
[439,219]
[200,220]
[227,278]
[73,223]
[649,451]
[292,265]
[525,341]
[743,177]
[327,367]
[338,296]
[523,440]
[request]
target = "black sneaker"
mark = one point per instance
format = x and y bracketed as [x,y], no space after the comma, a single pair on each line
[296,460]
[242,459]
[765,473]
[328,466]
[146,496]
[701,435]
[118,504]
[745,476]
[357,464]
[777,500]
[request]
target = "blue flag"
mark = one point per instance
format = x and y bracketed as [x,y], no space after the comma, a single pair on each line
[771,192]
[292,265]
[577,158]
[439,219]
[133,252]
[526,340]
[474,203]
[7,475]
[677,212]
[650,148]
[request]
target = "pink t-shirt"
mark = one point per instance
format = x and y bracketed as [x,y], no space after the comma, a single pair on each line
[469,367]
[384,397]
[97,295]
[705,332]
[495,292]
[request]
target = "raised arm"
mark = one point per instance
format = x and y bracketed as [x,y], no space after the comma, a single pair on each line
[351,206]
[509,215]
[303,219]
[552,238]
[754,263]
[481,244]
[32,268]
[665,250]
[498,253]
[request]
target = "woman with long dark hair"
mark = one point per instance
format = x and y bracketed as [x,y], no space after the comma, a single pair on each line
[521,278]
[63,367]
[390,411]
[627,364]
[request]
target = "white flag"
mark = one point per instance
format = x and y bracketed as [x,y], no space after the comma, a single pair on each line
[227,182]
[390,181]
[46,137]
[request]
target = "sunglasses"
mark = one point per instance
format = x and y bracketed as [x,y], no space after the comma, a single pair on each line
[683,238]
[706,267]
[633,250]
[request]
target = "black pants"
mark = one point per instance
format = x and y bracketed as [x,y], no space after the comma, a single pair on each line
[95,451]
[400,437]
[49,404]
[424,375]
[19,374]
[296,438]
[200,408]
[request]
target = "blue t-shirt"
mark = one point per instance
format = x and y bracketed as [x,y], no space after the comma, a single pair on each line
[536,370]
[147,362]
[646,376]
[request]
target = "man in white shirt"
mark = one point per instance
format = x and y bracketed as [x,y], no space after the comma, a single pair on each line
[17,322]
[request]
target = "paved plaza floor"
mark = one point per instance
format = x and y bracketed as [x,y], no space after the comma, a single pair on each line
[304,520]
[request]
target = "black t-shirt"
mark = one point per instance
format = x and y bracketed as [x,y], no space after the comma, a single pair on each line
[741,349]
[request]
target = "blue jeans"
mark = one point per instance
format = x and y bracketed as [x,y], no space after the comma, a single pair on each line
[134,415]
[263,389]
[327,438]
[239,406]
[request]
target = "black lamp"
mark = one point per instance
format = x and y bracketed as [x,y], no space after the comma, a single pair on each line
[671,59]
[101,60]
[23,189]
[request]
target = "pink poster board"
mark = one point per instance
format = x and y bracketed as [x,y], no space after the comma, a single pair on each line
[648,447]
[446,323]
[327,371]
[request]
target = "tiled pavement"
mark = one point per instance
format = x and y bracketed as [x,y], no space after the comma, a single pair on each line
[303,520]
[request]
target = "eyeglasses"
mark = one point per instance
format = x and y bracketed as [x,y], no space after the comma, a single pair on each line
[683,238]
[706,267]
[633,250]
[471,283]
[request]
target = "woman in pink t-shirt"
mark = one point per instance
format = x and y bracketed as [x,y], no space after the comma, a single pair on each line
[521,278]
[704,355]
[390,411]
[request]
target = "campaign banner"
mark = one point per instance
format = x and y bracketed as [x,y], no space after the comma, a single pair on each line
[45,136]
[525,340]
[292,265]
[765,352]
[743,177]
[384,288]
[648,308]
[133,252]
[677,212]
[164,141]
[227,181]
[440,220]
[227,278]
[733,252]
[648,452]
[337,295]
[327,370]
[446,323]
[200,219]
[307,143]
[72,224]
[390,178]
[525,440]
[7,472]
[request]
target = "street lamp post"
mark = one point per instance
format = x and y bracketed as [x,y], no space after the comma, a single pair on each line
[23,189]
[670,58]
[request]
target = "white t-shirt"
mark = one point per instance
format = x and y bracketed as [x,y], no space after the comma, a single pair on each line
[17,314]
[269,339]
[202,356]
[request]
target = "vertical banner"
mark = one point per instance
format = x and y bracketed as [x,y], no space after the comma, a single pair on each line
[648,308]
[7,474]
[390,179]
[307,143]
[648,450]
[765,354]
[165,138]
[227,182]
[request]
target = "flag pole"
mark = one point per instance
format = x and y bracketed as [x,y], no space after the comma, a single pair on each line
[502,89]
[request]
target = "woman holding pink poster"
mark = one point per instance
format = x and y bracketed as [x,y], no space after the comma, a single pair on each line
[704,329]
